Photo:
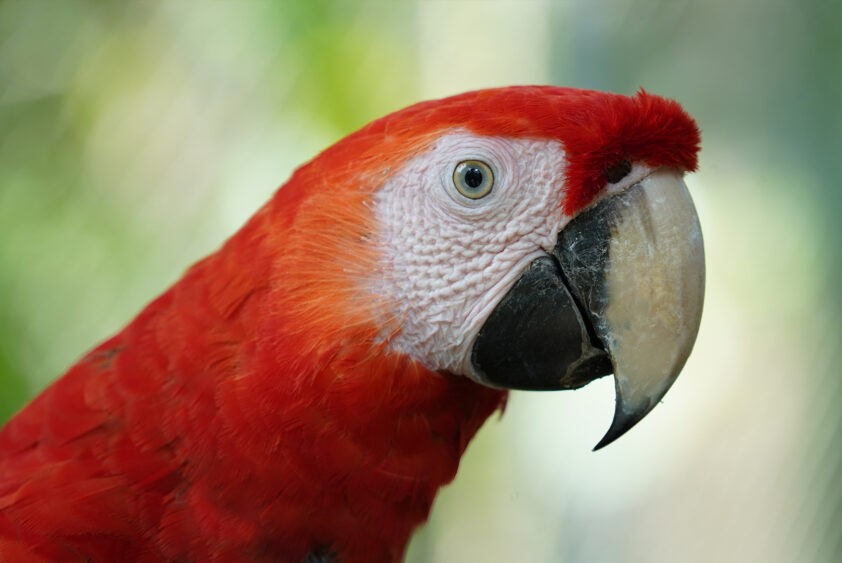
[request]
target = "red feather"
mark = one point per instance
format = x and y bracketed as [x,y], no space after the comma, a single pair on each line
[254,410]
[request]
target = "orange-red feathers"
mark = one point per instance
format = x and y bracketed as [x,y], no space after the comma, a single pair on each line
[597,129]
[254,410]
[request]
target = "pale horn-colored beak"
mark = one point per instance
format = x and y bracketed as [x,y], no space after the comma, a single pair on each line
[635,263]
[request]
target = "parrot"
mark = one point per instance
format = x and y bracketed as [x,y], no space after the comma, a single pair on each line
[302,394]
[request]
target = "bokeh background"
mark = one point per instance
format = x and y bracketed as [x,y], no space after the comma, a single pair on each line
[135,137]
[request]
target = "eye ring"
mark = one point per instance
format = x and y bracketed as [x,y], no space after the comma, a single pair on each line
[474,179]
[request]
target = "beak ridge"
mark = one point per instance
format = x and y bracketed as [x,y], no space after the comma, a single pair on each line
[645,295]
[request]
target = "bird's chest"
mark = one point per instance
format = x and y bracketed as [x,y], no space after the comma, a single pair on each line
[347,477]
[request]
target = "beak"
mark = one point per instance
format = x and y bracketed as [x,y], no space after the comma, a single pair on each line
[621,293]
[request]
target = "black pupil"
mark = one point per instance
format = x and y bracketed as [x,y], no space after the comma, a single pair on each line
[473,177]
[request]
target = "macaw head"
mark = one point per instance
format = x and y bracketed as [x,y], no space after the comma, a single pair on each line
[525,238]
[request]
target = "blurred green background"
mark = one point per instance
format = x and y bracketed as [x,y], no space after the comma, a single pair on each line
[135,137]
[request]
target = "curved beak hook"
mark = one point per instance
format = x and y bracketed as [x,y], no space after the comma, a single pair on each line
[641,280]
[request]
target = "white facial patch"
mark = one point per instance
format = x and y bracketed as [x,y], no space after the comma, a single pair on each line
[450,259]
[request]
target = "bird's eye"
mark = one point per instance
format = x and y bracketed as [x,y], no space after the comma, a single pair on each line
[473,179]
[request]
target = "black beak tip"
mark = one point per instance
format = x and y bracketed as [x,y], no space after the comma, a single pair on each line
[622,423]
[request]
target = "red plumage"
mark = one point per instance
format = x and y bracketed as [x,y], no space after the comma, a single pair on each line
[597,129]
[254,410]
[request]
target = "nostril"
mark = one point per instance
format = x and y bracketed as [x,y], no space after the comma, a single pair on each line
[618,171]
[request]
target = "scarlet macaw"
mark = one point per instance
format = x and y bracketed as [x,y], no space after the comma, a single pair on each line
[303,393]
